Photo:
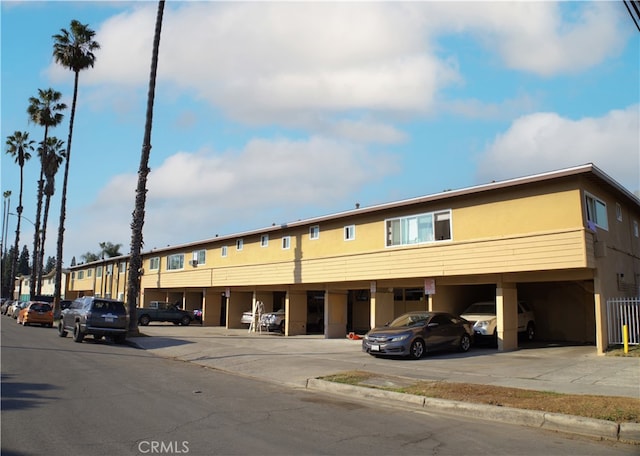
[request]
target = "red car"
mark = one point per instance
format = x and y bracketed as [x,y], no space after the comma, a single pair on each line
[36,312]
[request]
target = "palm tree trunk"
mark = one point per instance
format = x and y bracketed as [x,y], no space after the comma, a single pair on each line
[14,258]
[133,285]
[36,236]
[63,204]
[45,217]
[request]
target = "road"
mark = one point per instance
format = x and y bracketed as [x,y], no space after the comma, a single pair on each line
[98,398]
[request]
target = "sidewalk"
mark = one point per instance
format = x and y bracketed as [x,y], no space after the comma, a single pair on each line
[295,360]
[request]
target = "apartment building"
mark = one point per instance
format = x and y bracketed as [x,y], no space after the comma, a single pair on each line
[564,241]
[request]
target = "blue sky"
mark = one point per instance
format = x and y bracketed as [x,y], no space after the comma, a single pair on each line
[274,112]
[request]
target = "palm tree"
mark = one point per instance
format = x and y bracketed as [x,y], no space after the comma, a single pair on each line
[133,284]
[110,249]
[18,146]
[51,156]
[73,50]
[44,110]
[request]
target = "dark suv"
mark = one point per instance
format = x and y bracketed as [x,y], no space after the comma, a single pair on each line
[98,317]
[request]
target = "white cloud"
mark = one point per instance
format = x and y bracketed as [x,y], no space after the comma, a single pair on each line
[269,62]
[195,195]
[545,141]
[545,38]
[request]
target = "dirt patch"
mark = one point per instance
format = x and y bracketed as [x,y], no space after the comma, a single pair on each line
[611,408]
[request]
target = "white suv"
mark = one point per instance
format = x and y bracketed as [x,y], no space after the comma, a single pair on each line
[483,317]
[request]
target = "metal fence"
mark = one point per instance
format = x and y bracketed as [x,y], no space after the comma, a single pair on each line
[623,311]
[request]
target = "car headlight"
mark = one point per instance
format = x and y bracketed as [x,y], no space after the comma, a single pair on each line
[366,336]
[399,338]
[482,324]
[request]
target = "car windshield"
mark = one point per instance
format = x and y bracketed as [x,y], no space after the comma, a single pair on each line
[40,306]
[109,306]
[407,320]
[483,308]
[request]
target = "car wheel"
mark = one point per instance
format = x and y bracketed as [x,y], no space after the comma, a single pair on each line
[465,343]
[61,331]
[185,321]
[282,327]
[119,339]
[531,331]
[144,320]
[78,336]
[97,337]
[417,349]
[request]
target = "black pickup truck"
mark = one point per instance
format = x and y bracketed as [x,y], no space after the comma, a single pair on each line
[163,311]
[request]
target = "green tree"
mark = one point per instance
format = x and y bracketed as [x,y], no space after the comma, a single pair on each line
[73,49]
[89,257]
[50,264]
[110,249]
[19,146]
[8,284]
[23,262]
[133,284]
[44,110]
[51,157]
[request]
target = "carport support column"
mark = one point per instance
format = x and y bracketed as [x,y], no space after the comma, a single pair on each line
[507,315]
[381,308]
[602,335]
[335,314]
[296,313]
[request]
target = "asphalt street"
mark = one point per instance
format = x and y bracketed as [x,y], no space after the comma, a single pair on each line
[300,360]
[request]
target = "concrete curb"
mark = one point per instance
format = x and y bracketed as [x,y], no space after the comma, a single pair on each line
[602,429]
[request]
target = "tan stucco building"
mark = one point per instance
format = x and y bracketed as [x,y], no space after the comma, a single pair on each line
[565,241]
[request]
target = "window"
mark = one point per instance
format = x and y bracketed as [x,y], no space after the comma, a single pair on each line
[154,263]
[619,212]
[223,251]
[418,229]
[314,232]
[636,230]
[109,269]
[596,211]
[200,256]
[122,267]
[175,261]
[73,276]
[239,244]
[349,233]
[264,240]
[286,242]
[89,273]
[80,275]
[99,271]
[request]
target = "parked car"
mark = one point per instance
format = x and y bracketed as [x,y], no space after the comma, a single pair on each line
[36,312]
[5,306]
[247,318]
[415,333]
[163,311]
[273,321]
[16,308]
[98,317]
[485,322]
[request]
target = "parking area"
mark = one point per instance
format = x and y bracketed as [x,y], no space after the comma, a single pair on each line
[563,368]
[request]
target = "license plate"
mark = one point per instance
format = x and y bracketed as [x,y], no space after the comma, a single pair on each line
[375,348]
[109,319]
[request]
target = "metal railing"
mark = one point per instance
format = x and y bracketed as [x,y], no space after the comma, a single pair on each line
[620,312]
